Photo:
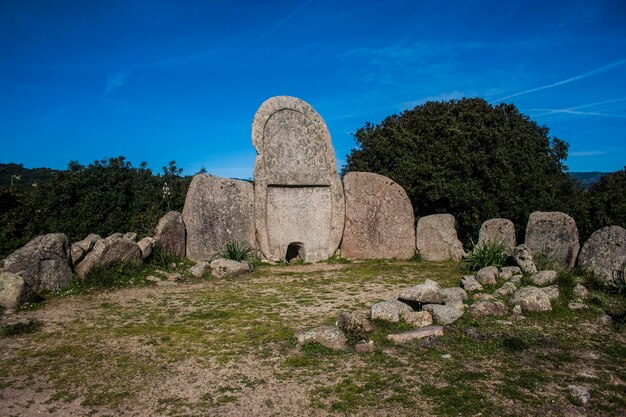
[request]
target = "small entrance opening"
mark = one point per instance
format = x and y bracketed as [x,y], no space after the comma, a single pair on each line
[295,252]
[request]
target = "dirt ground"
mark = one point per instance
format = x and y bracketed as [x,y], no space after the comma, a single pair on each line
[226,347]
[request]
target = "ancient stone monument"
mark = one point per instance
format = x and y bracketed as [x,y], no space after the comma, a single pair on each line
[604,253]
[553,233]
[379,218]
[498,231]
[298,196]
[437,239]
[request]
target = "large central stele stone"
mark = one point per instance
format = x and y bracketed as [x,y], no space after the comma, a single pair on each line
[298,195]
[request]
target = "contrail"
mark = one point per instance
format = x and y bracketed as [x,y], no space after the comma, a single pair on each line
[273,28]
[566,81]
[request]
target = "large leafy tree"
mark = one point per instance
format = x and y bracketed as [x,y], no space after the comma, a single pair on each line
[469,159]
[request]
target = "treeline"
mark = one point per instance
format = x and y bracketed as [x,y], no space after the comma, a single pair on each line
[103,197]
[477,161]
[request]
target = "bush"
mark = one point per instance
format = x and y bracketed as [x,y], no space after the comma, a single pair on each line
[240,252]
[488,254]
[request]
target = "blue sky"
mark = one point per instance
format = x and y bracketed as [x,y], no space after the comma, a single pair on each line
[181,80]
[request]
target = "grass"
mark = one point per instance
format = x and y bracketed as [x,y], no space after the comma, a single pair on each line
[490,253]
[240,252]
[208,346]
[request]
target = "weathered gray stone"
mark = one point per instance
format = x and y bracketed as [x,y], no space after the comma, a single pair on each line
[116,235]
[132,236]
[531,299]
[44,262]
[507,289]
[516,280]
[487,275]
[469,283]
[365,347]
[424,293]
[87,243]
[167,283]
[552,292]
[170,234]
[604,253]
[485,297]
[454,294]
[522,256]
[146,245]
[443,314]
[217,211]
[353,324]
[437,239]
[405,337]
[298,195]
[389,310]
[418,318]
[14,291]
[200,269]
[581,291]
[109,250]
[152,278]
[228,268]
[76,254]
[328,336]
[577,306]
[542,278]
[488,308]
[507,272]
[498,231]
[554,233]
[379,218]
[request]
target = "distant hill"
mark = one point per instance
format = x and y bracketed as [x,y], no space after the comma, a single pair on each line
[24,177]
[587,179]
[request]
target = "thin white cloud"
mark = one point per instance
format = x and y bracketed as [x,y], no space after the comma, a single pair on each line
[565,81]
[115,81]
[273,28]
[576,112]
[586,153]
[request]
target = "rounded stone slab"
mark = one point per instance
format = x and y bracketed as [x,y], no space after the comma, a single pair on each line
[298,195]
[553,232]
[437,239]
[169,233]
[604,253]
[498,231]
[217,211]
[379,218]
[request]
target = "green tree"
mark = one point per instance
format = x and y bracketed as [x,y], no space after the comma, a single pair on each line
[605,204]
[470,159]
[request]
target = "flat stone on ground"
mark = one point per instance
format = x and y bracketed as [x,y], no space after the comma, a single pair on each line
[405,337]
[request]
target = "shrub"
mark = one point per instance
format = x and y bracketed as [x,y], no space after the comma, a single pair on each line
[488,254]
[545,259]
[239,251]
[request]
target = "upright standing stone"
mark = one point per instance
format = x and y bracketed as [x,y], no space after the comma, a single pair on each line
[437,239]
[169,234]
[379,218]
[604,253]
[498,231]
[298,195]
[555,233]
[44,262]
[217,211]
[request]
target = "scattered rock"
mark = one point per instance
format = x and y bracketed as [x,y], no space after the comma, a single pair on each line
[167,283]
[577,306]
[469,283]
[437,239]
[77,254]
[579,392]
[170,234]
[173,276]
[487,275]
[531,299]
[379,218]
[152,278]
[484,297]
[507,289]
[117,235]
[581,291]
[604,253]
[555,233]
[418,318]
[14,291]
[353,324]
[405,337]
[389,310]
[498,231]
[328,336]
[522,256]
[106,251]
[44,262]
[454,297]
[507,272]
[228,268]
[443,314]
[427,293]
[365,347]
[200,269]
[516,280]
[488,308]
[145,246]
[132,236]
[542,278]
[517,310]
[552,292]
[87,243]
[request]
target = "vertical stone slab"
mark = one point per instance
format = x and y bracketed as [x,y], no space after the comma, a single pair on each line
[217,211]
[437,239]
[298,195]
[379,218]
[604,253]
[555,233]
[169,233]
[498,231]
